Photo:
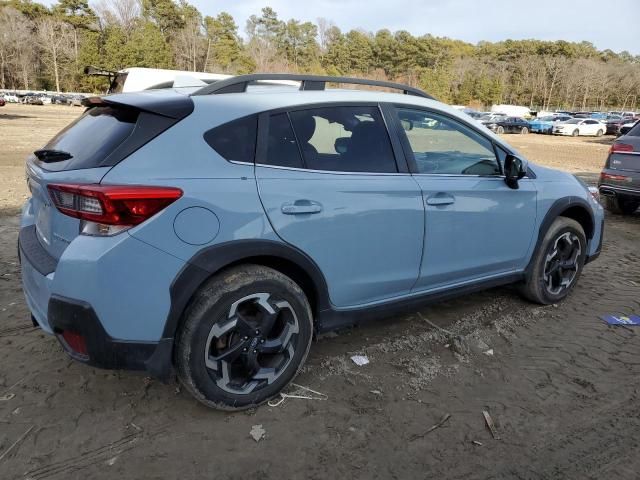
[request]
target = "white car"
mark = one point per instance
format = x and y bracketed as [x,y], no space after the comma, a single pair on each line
[580,126]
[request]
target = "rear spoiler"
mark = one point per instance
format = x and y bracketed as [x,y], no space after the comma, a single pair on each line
[167,104]
[98,72]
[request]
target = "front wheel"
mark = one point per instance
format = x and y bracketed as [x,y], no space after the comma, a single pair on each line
[599,133]
[524,130]
[557,263]
[500,130]
[245,337]
[575,133]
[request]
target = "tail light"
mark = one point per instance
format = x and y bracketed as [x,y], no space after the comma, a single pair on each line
[616,178]
[76,343]
[621,148]
[110,209]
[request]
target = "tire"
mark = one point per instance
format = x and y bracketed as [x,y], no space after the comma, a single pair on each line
[545,283]
[524,130]
[620,206]
[221,342]
[500,130]
[599,133]
[575,133]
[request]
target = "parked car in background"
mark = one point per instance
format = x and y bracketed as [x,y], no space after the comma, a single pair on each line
[76,100]
[508,125]
[625,128]
[11,97]
[32,100]
[545,124]
[614,123]
[619,183]
[2,101]
[289,213]
[580,126]
[511,110]
[60,99]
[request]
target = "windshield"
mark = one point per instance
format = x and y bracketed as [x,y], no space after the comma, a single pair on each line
[546,119]
[573,120]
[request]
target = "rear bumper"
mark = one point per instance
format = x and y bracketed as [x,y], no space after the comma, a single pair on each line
[68,315]
[617,190]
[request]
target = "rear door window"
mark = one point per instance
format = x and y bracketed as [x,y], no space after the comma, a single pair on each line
[92,137]
[344,139]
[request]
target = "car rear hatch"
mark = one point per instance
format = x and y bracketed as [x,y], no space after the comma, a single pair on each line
[109,130]
[625,154]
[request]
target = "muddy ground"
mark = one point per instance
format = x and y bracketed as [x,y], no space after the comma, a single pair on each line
[561,385]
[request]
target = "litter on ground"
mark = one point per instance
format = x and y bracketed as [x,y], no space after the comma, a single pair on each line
[621,320]
[360,360]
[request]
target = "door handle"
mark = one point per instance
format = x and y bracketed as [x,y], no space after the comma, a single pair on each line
[440,199]
[300,207]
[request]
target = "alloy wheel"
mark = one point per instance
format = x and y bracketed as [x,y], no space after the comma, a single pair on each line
[562,263]
[253,345]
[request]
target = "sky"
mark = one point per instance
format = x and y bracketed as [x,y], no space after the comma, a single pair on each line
[608,24]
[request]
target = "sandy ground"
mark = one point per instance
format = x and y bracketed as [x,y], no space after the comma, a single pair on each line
[561,385]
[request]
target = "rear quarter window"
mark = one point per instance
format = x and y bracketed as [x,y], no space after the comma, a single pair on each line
[235,141]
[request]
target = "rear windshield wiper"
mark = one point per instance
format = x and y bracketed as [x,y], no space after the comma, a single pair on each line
[49,156]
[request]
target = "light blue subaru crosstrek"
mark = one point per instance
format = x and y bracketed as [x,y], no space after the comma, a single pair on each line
[213,231]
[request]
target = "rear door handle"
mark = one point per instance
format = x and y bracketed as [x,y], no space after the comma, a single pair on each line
[300,207]
[441,199]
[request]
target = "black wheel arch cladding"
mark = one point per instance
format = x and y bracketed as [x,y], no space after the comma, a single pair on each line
[211,260]
[576,208]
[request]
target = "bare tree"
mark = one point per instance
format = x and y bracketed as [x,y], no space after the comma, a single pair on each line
[123,13]
[56,40]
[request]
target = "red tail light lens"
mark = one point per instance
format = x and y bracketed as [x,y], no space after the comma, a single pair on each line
[615,178]
[122,205]
[621,147]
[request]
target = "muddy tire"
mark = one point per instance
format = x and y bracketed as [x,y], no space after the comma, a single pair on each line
[244,338]
[620,206]
[557,263]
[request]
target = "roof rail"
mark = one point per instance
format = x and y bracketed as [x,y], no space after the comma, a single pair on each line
[239,84]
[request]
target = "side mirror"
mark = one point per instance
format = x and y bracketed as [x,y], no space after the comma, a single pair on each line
[514,169]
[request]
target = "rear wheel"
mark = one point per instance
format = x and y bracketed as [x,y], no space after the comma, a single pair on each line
[558,262]
[500,130]
[620,205]
[575,133]
[524,130]
[245,337]
[599,133]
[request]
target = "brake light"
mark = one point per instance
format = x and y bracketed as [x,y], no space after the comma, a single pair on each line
[615,178]
[112,205]
[621,147]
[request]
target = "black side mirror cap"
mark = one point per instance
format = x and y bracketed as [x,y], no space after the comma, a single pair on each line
[514,170]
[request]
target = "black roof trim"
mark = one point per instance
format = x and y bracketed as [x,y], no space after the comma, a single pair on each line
[176,106]
[240,83]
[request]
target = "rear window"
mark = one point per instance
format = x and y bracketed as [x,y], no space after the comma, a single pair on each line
[92,137]
[235,141]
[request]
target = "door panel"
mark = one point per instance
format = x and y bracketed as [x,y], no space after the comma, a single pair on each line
[486,230]
[365,234]
[315,175]
[475,225]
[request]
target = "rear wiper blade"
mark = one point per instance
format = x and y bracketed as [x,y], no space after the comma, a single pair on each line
[49,156]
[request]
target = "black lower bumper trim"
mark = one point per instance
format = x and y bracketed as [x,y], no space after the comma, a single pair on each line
[104,351]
